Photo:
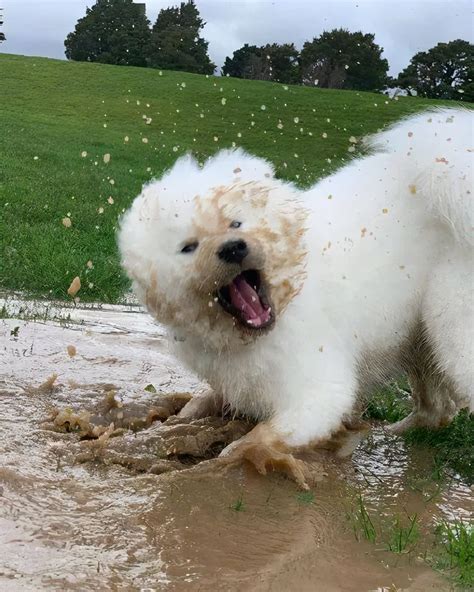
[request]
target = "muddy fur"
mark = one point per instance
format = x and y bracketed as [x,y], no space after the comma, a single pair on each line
[369,273]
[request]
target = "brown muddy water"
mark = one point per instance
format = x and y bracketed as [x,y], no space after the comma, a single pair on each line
[101,488]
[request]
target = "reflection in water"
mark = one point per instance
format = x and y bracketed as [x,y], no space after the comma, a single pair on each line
[115,510]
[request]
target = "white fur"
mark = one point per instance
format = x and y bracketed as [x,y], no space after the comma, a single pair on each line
[389,244]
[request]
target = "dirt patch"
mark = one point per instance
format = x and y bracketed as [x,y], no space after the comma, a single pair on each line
[104,488]
[144,437]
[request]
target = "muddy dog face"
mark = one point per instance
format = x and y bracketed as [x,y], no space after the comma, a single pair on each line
[216,251]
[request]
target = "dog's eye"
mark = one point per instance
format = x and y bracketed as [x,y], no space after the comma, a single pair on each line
[235,224]
[190,247]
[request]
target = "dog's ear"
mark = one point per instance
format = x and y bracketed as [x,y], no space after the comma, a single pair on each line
[187,160]
[183,168]
[238,163]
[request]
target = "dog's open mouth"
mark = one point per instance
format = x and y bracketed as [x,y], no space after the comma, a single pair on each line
[245,298]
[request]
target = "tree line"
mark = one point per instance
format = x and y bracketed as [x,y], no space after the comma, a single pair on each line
[2,35]
[118,32]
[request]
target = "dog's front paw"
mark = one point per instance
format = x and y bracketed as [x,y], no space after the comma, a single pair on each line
[266,453]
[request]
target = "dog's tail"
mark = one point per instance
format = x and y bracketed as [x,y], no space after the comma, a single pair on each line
[439,145]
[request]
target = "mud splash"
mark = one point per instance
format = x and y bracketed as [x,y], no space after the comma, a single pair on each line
[102,488]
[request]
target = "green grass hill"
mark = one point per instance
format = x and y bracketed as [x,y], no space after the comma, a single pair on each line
[61,122]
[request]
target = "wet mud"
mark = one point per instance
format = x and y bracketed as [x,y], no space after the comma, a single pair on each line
[102,487]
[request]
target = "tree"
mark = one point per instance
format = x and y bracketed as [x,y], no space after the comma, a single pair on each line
[244,62]
[446,71]
[176,43]
[341,59]
[284,62]
[112,32]
[2,35]
[268,62]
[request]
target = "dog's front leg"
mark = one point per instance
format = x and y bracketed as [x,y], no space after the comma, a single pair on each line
[266,450]
[203,404]
[311,416]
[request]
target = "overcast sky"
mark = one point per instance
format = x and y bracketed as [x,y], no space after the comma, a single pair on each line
[401,27]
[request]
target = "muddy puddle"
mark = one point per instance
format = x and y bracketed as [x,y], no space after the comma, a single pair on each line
[103,488]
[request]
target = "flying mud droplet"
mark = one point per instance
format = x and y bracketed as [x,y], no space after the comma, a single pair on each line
[71,351]
[74,287]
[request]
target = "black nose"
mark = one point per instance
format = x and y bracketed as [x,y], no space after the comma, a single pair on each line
[233,251]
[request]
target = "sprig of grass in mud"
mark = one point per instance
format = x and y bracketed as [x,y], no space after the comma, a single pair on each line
[457,557]
[403,538]
[453,544]
[305,497]
[238,505]
[362,522]
[14,332]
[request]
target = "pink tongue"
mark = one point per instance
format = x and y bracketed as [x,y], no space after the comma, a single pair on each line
[246,299]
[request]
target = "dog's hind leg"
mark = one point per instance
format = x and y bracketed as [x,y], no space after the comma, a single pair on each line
[442,370]
[434,402]
[433,396]
[448,316]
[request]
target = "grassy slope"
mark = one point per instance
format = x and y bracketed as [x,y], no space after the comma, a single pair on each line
[54,111]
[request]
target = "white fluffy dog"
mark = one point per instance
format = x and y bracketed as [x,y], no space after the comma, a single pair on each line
[292,304]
